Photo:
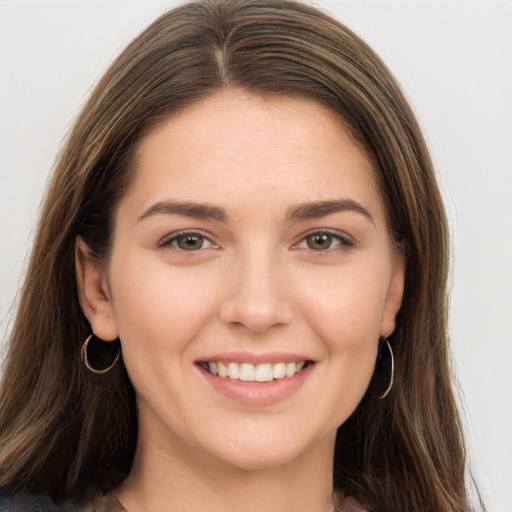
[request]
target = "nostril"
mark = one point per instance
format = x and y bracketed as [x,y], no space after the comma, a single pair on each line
[255,317]
[257,296]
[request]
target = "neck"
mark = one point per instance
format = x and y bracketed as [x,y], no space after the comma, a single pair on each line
[170,480]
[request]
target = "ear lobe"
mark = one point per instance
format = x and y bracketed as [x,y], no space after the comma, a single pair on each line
[394,296]
[93,293]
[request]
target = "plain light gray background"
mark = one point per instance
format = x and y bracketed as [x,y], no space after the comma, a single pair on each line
[454,60]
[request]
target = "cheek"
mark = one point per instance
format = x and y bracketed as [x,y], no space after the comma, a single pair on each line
[347,309]
[346,314]
[159,307]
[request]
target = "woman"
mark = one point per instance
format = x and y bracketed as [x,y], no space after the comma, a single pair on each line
[244,243]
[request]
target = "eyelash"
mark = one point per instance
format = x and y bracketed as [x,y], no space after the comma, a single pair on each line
[344,242]
[171,241]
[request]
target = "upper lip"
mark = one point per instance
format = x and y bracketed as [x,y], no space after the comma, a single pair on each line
[254,358]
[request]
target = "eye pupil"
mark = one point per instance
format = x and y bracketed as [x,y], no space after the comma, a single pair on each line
[190,242]
[319,241]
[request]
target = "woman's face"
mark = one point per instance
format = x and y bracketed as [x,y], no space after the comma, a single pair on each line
[253,241]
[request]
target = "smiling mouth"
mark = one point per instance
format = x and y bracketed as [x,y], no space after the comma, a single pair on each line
[248,372]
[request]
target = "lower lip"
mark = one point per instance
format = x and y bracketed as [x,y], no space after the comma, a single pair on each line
[260,394]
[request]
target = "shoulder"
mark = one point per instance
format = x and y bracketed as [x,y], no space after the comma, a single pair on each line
[28,503]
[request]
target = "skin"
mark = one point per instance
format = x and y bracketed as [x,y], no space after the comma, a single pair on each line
[255,283]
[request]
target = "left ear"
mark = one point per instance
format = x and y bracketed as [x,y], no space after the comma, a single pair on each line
[394,295]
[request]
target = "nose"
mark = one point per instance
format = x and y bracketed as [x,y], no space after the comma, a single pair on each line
[258,295]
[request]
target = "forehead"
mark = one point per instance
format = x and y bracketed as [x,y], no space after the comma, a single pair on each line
[240,149]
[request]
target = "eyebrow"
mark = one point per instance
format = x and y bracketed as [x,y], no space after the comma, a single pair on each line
[318,209]
[188,209]
[302,211]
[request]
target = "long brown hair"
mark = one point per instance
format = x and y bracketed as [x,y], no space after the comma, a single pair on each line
[65,431]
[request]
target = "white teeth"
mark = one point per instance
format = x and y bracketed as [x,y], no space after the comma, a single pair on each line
[222,369]
[233,371]
[291,369]
[279,370]
[248,372]
[264,373]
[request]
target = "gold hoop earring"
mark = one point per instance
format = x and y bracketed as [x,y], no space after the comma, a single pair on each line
[85,357]
[392,372]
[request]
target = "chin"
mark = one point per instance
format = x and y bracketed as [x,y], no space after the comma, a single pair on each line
[256,451]
[261,460]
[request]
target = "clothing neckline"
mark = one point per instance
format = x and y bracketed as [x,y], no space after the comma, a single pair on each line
[110,503]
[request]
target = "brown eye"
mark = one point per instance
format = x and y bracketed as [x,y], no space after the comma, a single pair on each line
[190,242]
[319,241]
